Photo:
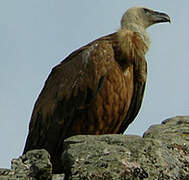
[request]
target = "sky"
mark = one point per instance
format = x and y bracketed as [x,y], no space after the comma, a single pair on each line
[36,35]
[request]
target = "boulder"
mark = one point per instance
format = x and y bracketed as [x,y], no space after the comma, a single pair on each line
[162,153]
[34,165]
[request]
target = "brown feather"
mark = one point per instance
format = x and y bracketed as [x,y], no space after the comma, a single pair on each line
[98,89]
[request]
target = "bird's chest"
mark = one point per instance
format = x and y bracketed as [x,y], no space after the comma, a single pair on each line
[109,109]
[113,101]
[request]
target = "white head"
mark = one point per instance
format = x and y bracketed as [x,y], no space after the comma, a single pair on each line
[137,19]
[142,17]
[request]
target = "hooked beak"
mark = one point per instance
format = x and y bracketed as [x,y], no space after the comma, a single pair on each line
[161,17]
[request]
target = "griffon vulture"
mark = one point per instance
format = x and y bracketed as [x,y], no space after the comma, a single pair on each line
[97,89]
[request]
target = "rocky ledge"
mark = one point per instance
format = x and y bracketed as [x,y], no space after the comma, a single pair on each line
[162,153]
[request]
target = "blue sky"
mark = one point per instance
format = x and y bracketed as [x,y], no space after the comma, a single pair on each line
[36,35]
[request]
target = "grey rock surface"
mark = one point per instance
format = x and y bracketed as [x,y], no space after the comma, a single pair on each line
[161,154]
[34,165]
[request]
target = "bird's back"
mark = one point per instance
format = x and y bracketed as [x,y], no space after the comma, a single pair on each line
[87,93]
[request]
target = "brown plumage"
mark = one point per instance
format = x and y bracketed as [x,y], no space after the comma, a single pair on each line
[97,89]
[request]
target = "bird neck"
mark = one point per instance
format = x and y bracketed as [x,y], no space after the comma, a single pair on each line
[133,39]
[130,46]
[141,31]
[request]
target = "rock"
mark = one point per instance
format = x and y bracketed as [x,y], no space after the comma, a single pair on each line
[162,153]
[34,165]
[58,176]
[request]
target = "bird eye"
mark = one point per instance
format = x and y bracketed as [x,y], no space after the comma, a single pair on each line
[146,10]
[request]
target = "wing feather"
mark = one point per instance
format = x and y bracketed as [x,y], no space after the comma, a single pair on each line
[70,88]
[140,72]
[87,93]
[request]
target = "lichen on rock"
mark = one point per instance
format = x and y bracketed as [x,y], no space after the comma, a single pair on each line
[162,153]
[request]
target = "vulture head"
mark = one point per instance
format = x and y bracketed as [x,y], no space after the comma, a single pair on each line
[142,17]
[137,19]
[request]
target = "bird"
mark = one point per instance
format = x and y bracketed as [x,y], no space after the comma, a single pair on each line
[97,89]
